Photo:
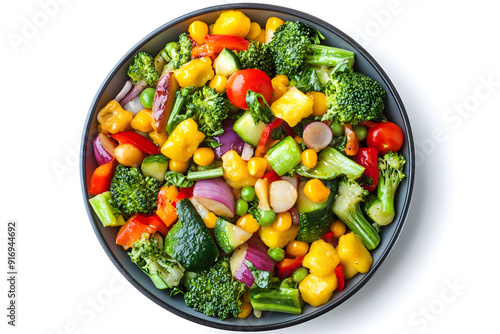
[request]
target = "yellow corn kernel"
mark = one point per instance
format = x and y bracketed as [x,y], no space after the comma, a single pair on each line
[297,248]
[299,140]
[203,156]
[246,309]
[282,222]
[232,22]
[309,158]
[210,220]
[142,121]
[257,166]
[254,32]
[198,30]
[158,138]
[281,78]
[317,290]
[338,228]
[248,223]
[273,23]
[218,83]
[178,166]
[319,105]
[316,191]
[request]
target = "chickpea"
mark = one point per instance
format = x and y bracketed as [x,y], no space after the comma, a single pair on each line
[129,155]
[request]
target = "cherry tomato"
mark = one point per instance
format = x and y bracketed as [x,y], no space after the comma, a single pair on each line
[385,137]
[250,79]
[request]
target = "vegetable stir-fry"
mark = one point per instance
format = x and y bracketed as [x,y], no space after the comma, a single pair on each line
[247,168]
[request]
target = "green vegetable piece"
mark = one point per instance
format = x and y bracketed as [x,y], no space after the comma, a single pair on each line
[149,255]
[177,179]
[347,208]
[248,193]
[352,98]
[214,291]
[257,56]
[133,192]
[277,254]
[315,218]
[380,208]
[189,240]
[205,174]
[263,217]
[241,207]
[247,130]
[299,274]
[226,63]
[285,299]
[143,71]
[155,165]
[147,97]
[229,236]
[331,163]
[284,155]
[108,215]
[337,129]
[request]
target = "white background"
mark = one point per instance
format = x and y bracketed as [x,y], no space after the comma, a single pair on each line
[442,57]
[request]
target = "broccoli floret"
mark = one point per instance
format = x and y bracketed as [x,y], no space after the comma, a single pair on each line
[214,291]
[132,192]
[149,255]
[143,70]
[257,56]
[347,208]
[295,44]
[352,98]
[184,52]
[380,208]
[208,108]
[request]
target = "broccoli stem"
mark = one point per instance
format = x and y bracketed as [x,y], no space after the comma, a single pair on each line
[329,56]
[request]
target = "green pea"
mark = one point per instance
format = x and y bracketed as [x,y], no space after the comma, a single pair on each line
[267,217]
[147,97]
[277,254]
[241,207]
[361,131]
[248,193]
[299,274]
[337,129]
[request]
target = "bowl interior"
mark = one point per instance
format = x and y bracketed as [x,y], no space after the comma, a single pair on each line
[154,42]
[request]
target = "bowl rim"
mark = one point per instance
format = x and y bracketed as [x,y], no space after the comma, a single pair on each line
[409,177]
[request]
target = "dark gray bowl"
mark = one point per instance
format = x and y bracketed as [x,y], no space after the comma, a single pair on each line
[154,42]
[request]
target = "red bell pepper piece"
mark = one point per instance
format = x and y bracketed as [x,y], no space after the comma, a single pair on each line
[368,158]
[132,231]
[142,143]
[339,272]
[271,176]
[288,266]
[214,44]
[329,237]
[138,224]
[183,193]
[265,137]
[101,178]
